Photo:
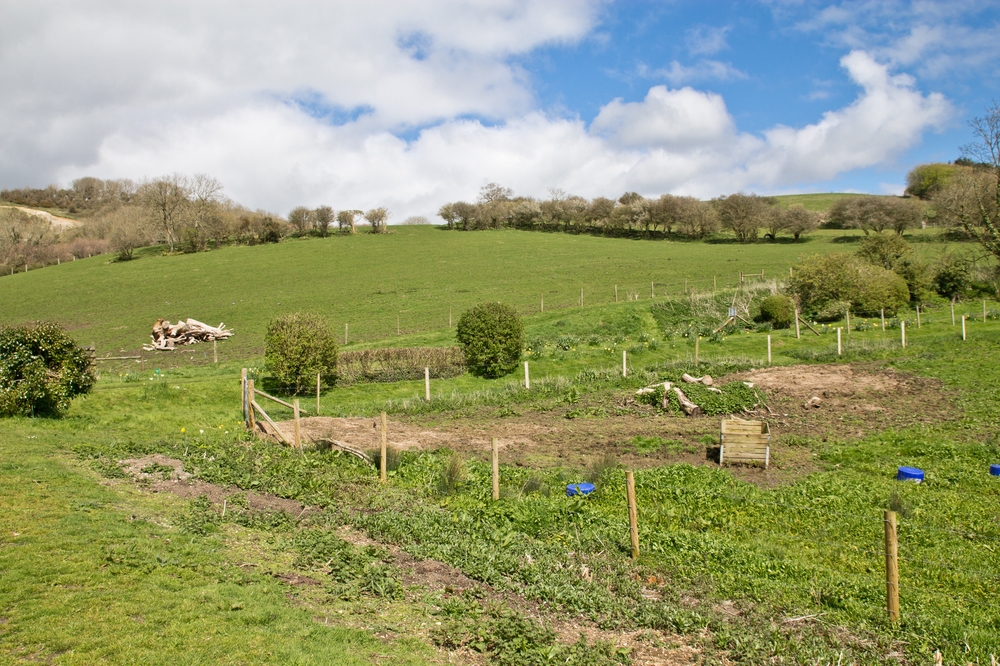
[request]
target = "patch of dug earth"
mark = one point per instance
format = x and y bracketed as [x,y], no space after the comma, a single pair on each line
[153,471]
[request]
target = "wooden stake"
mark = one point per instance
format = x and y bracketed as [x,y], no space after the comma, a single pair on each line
[251,416]
[215,351]
[696,339]
[616,293]
[527,377]
[243,396]
[495,444]
[848,321]
[581,297]
[797,333]
[963,327]
[715,285]
[902,331]
[839,346]
[427,384]
[883,320]
[624,363]
[345,334]
[633,513]
[317,392]
[953,312]
[298,429]
[891,567]
[769,350]
[381,458]
[543,303]
[918,316]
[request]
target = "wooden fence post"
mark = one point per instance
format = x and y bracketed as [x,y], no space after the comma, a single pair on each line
[382,448]
[953,312]
[253,417]
[243,396]
[427,384]
[883,319]
[345,334]
[797,334]
[616,293]
[839,346]
[902,332]
[581,297]
[848,321]
[963,327]
[495,445]
[891,567]
[769,350]
[696,339]
[715,285]
[543,304]
[633,513]
[298,430]
[317,392]
[215,351]
[527,377]
[918,316]
[624,363]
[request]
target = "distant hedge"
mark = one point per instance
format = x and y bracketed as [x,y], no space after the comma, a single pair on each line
[41,370]
[395,364]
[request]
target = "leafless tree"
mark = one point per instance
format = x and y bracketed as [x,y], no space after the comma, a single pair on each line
[743,214]
[166,199]
[493,192]
[322,218]
[378,217]
[696,219]
[877,214]
[799,221]
[347,221]
[131,228]
[300,220]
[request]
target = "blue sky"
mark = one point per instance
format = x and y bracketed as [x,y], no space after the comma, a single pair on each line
[411,105]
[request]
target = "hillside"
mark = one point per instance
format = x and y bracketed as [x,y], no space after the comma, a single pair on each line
[365,281]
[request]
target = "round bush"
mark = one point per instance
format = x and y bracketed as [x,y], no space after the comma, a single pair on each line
[41,370]
[822,280]
[492,337]
[297,347]
[779,310]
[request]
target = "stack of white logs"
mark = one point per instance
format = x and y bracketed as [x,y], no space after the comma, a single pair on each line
[166,335]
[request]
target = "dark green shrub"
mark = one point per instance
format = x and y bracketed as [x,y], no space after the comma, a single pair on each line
[492,337]
[297,347]
[779,310]
[953,278]
[41,370]
[819,281]
[883,249]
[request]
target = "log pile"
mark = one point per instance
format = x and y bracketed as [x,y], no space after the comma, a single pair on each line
[166,336]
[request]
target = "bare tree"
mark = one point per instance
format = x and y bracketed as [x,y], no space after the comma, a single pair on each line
[347,221]
[493,192]
[972,200]
[877,214]
[378,217]
[166,199]
[743,214]
[799,221]
[299,218]
[131,228]
[322,218]
[696,219]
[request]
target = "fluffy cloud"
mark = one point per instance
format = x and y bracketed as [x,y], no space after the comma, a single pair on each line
[401,104]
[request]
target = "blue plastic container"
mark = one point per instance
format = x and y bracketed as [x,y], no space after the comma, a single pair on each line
[579,489]
[995,470]
[910,474]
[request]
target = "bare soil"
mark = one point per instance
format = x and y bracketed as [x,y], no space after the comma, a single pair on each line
[854,400]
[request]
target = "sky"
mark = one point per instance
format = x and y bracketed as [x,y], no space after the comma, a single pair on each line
[410,105]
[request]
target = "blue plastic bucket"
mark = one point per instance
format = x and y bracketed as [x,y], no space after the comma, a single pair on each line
[579,489]
[910,474]
[995,470]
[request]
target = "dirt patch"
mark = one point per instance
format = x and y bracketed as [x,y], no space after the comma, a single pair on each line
[164,474]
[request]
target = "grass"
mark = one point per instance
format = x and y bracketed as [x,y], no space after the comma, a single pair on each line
[419,273]
[96,569]
[817,202]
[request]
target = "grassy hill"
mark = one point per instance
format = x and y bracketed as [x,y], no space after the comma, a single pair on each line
[416,273]
[819,202]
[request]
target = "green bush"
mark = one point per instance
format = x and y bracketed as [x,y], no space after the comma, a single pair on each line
[492,337]
[819,281]
[953,278]
[41,370]
[779,310]
[883,249]
[297,347]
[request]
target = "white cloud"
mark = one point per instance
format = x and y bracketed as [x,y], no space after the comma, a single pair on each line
[297,105]
[704,70]
[706,40]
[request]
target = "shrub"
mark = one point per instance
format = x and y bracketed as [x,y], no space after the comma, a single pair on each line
[953,278]
[297,347]
[41,370]
[393,364]
[492,337]
[883,249]
[779,310]
[821,280]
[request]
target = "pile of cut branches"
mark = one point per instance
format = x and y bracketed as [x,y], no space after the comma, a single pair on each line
[166,336]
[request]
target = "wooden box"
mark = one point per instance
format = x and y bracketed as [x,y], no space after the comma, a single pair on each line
[745,441]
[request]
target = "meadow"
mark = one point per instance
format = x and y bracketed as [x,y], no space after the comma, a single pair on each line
[736,564]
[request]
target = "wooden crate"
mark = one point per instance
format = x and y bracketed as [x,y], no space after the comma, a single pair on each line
[745,441]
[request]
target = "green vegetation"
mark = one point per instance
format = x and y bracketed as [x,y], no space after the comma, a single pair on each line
[298,347]
[41,370]
[742,564]
[779,310]
[492,337]
[818,203]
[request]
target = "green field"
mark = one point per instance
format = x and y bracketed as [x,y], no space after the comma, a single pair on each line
[418,274]
[741,566]
[818,202]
